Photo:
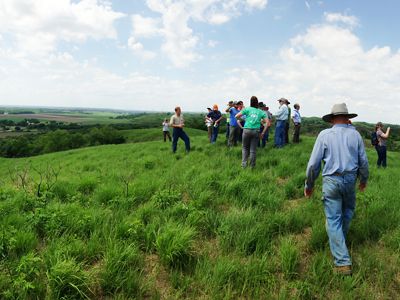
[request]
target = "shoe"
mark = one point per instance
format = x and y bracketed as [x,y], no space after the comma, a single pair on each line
[343,270]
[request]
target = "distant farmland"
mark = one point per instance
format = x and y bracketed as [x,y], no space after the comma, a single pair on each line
[50,117]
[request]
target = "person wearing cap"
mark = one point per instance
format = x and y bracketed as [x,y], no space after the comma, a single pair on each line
[242,120]
[251,131]
[263,140]
[296,118]
[381,146]
[287,124]
[177,123]
[227,115]
[216,116]
[342,150]
[281,117]
[234,130]
[166,134]
[209,124]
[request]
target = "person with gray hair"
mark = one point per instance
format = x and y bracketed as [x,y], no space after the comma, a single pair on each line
[341,148]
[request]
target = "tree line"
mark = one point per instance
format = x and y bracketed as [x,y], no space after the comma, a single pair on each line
[58,140]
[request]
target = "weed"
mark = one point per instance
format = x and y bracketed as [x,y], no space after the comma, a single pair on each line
[174,245]
[289,257]
[67,280]
[122,270]
[166,198]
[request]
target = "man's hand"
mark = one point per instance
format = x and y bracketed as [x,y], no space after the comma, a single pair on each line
[362,187]
[308,192]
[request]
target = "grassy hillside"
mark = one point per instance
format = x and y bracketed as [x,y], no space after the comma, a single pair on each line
[135,221]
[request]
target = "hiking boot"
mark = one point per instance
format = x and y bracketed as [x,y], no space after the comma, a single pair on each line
[343,270]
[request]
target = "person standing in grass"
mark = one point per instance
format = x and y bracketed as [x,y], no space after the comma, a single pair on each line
[263,140]
[209,124]
[287,124]
[177,123]
[381,146]
[251,131]
[233,125]
[296,118]
[342,150]
[281,118]
[166,134]
[228,117]
[216,116]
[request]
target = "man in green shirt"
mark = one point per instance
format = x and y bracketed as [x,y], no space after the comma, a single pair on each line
[251,130]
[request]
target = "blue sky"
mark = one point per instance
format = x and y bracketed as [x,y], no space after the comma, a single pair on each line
[156,54]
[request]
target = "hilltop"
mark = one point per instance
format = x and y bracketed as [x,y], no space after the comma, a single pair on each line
[135,221]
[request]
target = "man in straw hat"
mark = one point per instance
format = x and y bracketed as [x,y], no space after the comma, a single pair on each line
[342,150]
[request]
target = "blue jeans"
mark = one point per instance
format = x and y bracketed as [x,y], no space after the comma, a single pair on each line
[179,133]
[214,134]
[339,204]
[280,133]
[381,150]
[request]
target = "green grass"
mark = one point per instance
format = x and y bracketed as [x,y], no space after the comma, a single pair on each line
[135,221]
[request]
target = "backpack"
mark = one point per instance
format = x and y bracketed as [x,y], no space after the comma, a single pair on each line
[374,139]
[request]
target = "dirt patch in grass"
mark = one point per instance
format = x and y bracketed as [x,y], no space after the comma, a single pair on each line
[281,181]
[185,197]
[294,203]
[209,248]
[302,240]
[157,276]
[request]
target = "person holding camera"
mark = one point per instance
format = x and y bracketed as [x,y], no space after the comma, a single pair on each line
[381,146]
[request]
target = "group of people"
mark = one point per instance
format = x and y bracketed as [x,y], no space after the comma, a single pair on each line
[340,147]
[235,126]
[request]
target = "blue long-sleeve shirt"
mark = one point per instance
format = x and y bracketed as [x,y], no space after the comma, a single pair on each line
[282,113]
[342,150]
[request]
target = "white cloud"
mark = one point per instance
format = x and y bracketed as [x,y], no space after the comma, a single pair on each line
[317,68]
[307,5]
[212,43]
[340,18]
[327,64]
[145,27]
[139,50]
[37,26]
[259,4]
[179,41]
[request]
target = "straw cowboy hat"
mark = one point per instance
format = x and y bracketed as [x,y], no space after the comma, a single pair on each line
[338,110]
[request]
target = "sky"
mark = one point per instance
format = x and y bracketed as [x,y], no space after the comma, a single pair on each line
[156,54]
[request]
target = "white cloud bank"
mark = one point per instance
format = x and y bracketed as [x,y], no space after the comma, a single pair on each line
[179,40]
[324,65]
[37,26]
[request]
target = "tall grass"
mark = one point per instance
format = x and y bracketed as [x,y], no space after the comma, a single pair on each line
[189,226]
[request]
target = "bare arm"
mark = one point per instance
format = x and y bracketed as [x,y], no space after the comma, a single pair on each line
[386,134]
[265,121]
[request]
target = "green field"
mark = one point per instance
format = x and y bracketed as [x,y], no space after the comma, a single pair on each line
[135,221]
[66,116]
